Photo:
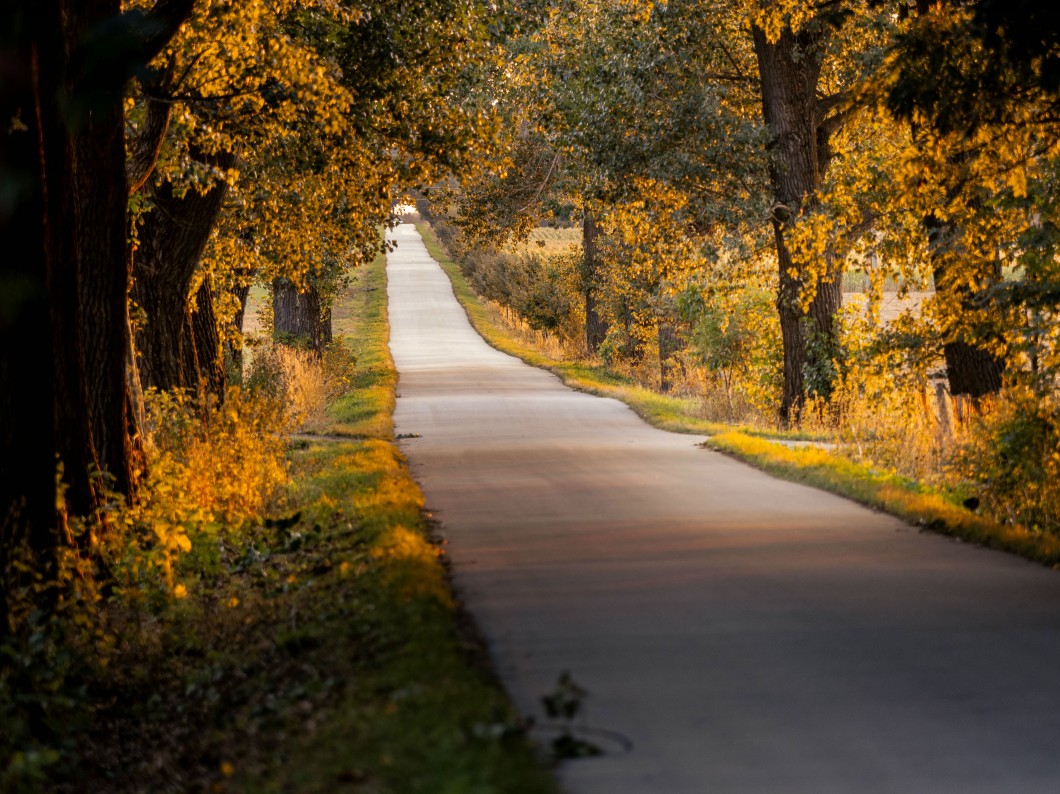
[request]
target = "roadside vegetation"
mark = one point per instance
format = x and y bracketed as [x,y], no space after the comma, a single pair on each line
[279,618]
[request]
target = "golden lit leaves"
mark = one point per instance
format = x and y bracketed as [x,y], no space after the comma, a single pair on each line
[774,16]
[206,464]
[411,565]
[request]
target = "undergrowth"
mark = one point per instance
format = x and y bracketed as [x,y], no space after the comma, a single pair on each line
[275,616]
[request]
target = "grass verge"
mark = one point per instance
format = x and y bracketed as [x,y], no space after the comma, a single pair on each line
[317,651]
[806,464]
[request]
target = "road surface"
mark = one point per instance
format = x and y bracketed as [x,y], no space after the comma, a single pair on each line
[745,634]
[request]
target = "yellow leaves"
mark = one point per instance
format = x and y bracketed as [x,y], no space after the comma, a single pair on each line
[180,592]
[172,537]
[204,465]
[774,16]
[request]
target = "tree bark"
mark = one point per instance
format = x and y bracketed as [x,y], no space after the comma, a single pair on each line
[669,343]
[789,70]
[144,150]
[300,318]
[173,236]
[595,327]
[205,358]
[64,278]
[970,369]
[29,38]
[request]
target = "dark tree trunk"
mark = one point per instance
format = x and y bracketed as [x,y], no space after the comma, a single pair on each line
[173,236]
[669,343]
[144,150]
[28,522]
[65,274]
[970,369]
[789,69]
[595,327]
[96,361]
[91,269]
[300,318]
[204,360]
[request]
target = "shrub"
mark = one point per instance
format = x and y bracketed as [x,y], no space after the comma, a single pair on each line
[1011,457]
[735,339]
[208,464]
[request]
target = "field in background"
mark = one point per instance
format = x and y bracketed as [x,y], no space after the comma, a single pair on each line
[550,241]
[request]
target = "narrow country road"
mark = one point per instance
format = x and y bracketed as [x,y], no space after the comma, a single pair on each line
[745,634]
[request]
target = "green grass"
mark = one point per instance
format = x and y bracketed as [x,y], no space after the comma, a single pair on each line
[359,317]
[912,501]
[807,464]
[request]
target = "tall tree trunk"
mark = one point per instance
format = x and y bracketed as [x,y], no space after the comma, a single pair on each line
[173,236]
[970,369]
[63,312]
[204,361]
[96,361]
[33,51]
[789,69]
[595,327]
[300,318]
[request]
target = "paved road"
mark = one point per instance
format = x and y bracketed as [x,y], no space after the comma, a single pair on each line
[745,634]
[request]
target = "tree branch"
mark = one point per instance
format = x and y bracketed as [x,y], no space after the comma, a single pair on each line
[826,105]
[143,154]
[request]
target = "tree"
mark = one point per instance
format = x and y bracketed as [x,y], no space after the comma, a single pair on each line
[333,110]
[177,342]
[805,81]
[979,85]
[301,316]
[72,61]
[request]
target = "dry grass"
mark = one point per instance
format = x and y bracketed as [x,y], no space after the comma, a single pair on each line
[307,389]
[549,241]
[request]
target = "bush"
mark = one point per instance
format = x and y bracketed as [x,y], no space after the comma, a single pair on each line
[208,464]
[735,339]
[303,382]
[1011,457]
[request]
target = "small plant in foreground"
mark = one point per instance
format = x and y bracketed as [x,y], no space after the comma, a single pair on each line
[564,704]
[209,465]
